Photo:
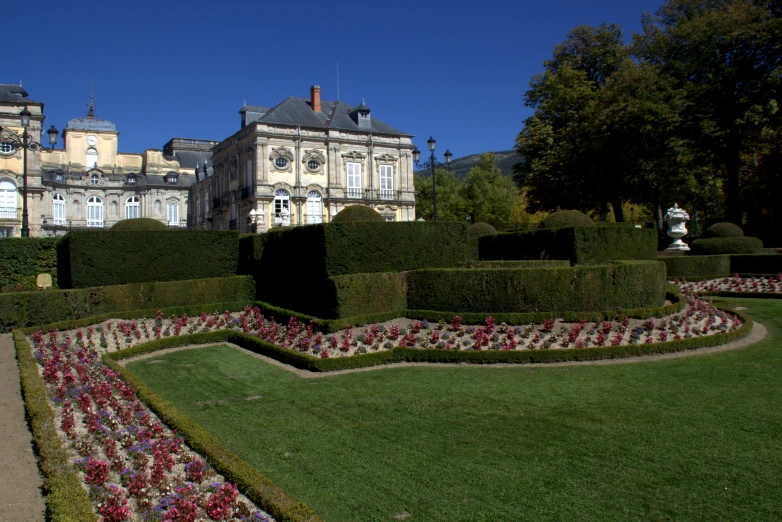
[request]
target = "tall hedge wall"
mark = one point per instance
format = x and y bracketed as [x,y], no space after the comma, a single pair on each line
[521,263]
[584,288]
[250,252]
[22,259]
[579,245]
[362,294]
[20,309]
[697,266]
[103,258]
[296,263]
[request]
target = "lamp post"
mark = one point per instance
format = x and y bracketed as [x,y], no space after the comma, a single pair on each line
[26,142]
[432,163]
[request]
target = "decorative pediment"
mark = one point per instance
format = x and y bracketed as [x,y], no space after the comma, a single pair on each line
[314,154]
[281,152]
[354,155]
[386,158]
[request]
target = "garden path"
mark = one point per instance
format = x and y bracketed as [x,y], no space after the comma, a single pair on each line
[20,483]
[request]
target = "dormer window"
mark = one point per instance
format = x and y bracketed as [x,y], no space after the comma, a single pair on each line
[131,178]
[58,175]
[171,177]
[94,179]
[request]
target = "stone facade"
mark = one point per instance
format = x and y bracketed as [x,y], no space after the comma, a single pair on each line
[301,162]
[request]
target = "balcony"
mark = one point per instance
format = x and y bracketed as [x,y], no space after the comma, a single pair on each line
[246,192]
[354,193]
[387,195]
[8,213]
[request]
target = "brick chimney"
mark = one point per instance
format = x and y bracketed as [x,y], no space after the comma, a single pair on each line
[315,97]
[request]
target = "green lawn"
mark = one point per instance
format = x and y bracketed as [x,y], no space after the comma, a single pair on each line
[696,438]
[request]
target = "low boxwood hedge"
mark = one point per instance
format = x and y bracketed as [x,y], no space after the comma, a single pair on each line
[66,499]
[521,263]
[726,245]
[582,288]
[22,259]
[22,309]
[694,267]
[361,294]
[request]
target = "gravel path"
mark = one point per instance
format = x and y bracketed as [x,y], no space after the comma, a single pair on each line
[20,483]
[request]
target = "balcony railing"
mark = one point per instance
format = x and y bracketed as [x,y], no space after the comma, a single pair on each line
[355,193]
[246,192]
[8,213]
[386,194]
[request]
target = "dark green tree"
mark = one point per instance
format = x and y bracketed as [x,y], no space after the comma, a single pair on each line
[488,195]
[450,206]
[724,56]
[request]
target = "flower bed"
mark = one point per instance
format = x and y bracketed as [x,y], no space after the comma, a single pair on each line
[734,284]
[132,465]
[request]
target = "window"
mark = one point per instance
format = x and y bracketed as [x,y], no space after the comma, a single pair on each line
[58,209]
[313,165]
[132,208]
[92,159]
[233,207]
[249,174]
[8,200]
[173,214]
[281,163]
[94,212]
[171,177]
[314,207]
[282,208]
[131,178]
[94,179]
[206,203]
[7,148]
[354,180]
[58,175]
[198,210]
[389,217]
[6,232]
[386,182]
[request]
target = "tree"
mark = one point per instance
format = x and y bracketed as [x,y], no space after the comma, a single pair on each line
[603,131]
[724,56]
[450,206]
[488,195]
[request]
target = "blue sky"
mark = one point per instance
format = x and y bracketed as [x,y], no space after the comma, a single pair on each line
[453,70]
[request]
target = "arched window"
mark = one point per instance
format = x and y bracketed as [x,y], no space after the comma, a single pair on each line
[58,209]
[314,207]
[8,199]
[94,212]
[94,179]
[132,207]
[92,159]
[282,208]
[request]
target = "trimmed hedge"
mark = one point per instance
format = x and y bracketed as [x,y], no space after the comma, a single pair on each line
[587,288]
[66,499]
[103,258]
[258,488]
[756,264]
[30,308]
[726,245]
[137,224]
[579,245]
[22,259]
[703,267]
[521,263]
[296,263]
[250,253]
[567,218]
[481,229]
[360,294]
[724,229]
[358,213]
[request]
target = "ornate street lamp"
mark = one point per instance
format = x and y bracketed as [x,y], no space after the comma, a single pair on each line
[26,143]
[432,163]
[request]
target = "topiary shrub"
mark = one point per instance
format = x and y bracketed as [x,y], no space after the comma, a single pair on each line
[724,230]
[567,218]
[726,245]
[138,224]
[357,213]
[481,229]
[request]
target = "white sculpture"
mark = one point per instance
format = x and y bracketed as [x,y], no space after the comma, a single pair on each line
[677,218]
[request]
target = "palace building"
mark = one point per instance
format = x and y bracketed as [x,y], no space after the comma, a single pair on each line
[299,162]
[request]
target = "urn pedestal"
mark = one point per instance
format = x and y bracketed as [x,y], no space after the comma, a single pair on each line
[677,218]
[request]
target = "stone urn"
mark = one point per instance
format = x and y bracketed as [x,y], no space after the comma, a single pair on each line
[677,218]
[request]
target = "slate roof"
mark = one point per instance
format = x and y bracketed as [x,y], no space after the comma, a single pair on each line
[190,158]
[88,124]
[297,111]
[151,180]
[15,93]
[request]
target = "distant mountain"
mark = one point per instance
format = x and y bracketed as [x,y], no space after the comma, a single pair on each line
[506,159]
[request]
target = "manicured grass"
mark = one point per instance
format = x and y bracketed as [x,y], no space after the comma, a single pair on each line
[695,438]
